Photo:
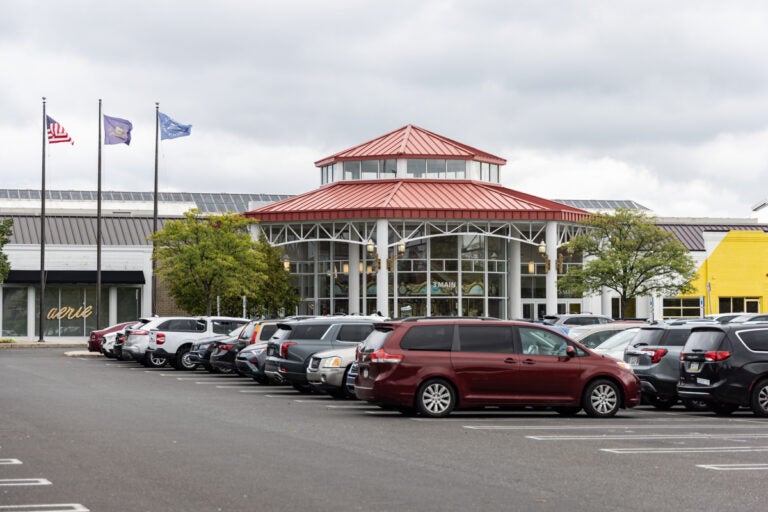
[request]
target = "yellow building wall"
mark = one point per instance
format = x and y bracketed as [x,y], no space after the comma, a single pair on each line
[737,267]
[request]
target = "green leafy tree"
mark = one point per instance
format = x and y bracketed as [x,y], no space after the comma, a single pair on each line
[6,230]
[628,253]
[202,258]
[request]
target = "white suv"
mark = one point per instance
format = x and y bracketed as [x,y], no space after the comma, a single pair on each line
[172,339]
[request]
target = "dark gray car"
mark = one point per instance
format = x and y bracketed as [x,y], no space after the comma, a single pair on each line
[290,350]
[654,356]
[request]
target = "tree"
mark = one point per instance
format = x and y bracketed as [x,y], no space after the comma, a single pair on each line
[6,230]
[626,252]
[202,258]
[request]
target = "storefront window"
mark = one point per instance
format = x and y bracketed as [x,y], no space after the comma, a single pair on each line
[128,304]
[14,311]
[416,168]
[71,310]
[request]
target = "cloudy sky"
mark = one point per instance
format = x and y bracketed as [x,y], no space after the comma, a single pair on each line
[664,103]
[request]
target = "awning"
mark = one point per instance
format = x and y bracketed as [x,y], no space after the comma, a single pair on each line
[76,277]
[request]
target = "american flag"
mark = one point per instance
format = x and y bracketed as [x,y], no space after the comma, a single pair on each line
[56,132]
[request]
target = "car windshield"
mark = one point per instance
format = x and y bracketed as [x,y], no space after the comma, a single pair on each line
[619,339]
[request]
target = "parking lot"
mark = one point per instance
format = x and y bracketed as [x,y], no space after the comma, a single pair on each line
[94,434]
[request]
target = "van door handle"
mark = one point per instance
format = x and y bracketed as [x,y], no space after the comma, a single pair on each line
[510,360]
[529,361]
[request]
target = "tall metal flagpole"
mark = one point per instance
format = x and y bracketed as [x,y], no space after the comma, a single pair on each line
[98,233]
[154,218]
[41,319]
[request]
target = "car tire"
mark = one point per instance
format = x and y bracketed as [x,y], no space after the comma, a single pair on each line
[182,361]
[154,361]
[759,401]
[602,399]
[661,402]
[723,409]
[435,398]
[695,405]
[567,411]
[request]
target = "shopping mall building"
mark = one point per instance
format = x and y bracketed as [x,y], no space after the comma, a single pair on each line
[409,223]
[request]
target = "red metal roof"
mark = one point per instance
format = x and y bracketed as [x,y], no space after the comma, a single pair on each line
[411,142]
[415,199]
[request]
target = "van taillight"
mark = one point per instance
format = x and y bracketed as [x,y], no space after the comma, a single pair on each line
[381,357]
[656,354]
[160,338]
[140,333]
[225,346]
[718,355]
[284,348]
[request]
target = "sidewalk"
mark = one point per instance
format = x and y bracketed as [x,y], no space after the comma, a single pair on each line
[79,346]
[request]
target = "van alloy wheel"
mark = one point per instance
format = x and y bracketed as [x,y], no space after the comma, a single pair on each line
[183,360]
[602,399]
[435,398]
[155,362]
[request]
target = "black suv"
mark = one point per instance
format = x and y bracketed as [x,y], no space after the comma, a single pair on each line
[727,366]
[291,348]
[654,356]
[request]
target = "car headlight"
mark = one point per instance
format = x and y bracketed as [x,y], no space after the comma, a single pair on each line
[332,362]
[624,365]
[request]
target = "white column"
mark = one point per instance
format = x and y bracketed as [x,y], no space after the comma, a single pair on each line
[112,305]
[550,238]
[354,279]
[514,281]
[382,276]
[32,301]
[606,302]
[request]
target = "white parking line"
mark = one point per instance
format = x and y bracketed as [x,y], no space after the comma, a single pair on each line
[734,467]
[692,426]
[54,507]
[4,462]
[709,449]
[9,482]
[224,386]
[361,406]
[314,400]
[649,437]
[203,377]
[266,391]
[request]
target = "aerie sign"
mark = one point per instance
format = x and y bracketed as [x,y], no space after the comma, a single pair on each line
[69,313]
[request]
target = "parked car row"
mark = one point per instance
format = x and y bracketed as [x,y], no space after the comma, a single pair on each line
[433,366]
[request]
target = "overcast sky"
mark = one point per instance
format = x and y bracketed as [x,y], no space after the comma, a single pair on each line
[664,103]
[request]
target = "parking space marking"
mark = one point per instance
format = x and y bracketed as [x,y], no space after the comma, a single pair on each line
[203,377]
[649,437]
[361,406]
[244,385]
[734,467]
[314,400]
[692,426]
[53,507]
[266,391]
[4,462]
[10,482]
[678,450]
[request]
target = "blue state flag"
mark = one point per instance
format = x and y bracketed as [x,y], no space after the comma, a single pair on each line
[117,131]
[170,129]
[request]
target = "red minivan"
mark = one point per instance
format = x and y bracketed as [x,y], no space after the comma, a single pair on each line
[433,366]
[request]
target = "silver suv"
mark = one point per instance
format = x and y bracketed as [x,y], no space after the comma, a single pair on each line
[172,339]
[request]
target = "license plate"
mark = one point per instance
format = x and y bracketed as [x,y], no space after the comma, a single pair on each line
[703,382]
[633,361]
[694,367]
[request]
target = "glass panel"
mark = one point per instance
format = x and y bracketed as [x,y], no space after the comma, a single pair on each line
[388,169]
[496,308]
[352,170]
[494,173]
[416,168]
[72,301]
[444,247]
[128,304]
[14,312]
[412,283]
[456,169]
[496,285]
[472,307]
[485,171]
[436,169]
[445,307]
[370,169]
[472,284]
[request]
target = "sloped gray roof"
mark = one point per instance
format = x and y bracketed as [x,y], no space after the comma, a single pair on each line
[208,202]
[602,204]
[692,235]
[81,230]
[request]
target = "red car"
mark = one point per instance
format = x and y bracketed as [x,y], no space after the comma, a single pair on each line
[94,341]
[433,366]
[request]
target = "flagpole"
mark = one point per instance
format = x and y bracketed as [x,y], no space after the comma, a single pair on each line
[154,218]
[41,319]
[98,233]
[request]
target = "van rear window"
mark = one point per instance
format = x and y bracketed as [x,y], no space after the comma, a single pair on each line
[704,341]
[756,340]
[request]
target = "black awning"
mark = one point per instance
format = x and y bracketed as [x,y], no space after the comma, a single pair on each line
[76,277]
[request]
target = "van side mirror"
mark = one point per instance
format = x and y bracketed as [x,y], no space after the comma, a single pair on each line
[570,351]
